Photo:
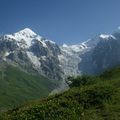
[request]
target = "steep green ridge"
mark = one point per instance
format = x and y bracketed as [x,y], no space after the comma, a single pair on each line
[89,98]
[17,86]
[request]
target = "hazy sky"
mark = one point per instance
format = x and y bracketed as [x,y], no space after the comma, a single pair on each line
[63,21]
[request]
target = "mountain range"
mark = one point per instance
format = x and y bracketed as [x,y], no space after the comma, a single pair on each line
[33,67]
[34,53]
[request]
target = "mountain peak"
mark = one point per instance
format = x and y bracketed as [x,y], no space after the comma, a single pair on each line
[26,34]
[27,31]
[106,37]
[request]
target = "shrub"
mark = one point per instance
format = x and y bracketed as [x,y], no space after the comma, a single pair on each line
[81,80]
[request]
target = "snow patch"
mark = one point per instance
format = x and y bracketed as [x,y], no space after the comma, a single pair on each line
[106,37]
[64,45]
[6,54]
[34,59]
[39,38]
[43,58]
[52,42]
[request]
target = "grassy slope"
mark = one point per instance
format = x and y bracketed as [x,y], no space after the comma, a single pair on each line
[98,100]
[17,87]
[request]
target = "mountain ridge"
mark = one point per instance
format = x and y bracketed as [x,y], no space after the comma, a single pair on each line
[31,51]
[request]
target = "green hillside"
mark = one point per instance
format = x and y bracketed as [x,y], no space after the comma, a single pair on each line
[17,86]
[89,98]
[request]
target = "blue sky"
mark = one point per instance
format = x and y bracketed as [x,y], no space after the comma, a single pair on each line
[63,21]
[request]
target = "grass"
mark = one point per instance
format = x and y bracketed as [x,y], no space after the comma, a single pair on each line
[85,100]
[17,87]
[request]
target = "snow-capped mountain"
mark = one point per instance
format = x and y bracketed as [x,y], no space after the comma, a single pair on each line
[32,52]
[107,52]
[92,56]
[37,54]
[73,55]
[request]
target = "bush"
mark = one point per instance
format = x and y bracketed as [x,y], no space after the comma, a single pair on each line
[81,80]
